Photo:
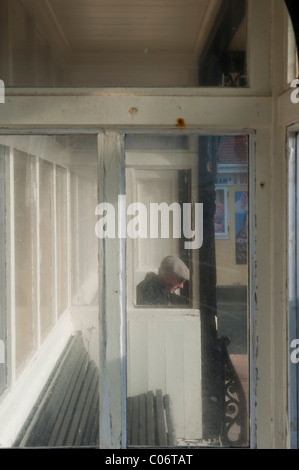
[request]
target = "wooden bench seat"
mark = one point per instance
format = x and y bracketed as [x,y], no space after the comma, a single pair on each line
[150,421]
[67,411]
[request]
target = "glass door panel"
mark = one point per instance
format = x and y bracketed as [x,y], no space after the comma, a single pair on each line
[187,280]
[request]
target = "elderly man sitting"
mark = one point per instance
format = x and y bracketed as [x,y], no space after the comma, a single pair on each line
[159,289]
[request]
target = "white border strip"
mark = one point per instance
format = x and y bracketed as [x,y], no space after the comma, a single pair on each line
[292,409]
[251,294]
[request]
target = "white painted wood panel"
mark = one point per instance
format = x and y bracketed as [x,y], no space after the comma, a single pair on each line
[192,377]
[156,355]
[164,353]
[138,353]
[175,373]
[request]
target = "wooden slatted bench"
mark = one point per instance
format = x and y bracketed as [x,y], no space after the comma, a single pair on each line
[67,411]
[150,421]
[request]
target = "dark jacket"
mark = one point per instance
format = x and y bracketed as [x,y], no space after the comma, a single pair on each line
[151,291]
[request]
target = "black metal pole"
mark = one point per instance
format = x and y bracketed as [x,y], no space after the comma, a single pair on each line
[208,298]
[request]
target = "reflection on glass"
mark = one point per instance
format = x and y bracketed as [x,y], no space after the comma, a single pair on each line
[161,288]
[162,257]
[187,369]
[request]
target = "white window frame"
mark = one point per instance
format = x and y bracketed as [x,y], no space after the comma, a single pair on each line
[293,289]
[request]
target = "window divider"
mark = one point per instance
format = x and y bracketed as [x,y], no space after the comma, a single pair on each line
[54,213]
[38,284]
[68,235]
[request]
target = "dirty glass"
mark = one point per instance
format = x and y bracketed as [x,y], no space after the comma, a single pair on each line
[24,216]
[187,287]
[47,255]
[182,43]
[62,243]
[49,294]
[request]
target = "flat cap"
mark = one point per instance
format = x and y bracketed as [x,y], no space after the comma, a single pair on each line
[174,265]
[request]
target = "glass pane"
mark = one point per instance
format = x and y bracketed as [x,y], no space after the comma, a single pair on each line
[50,306]
[84,195]
[62,238]
[47,256]
[187,282]
[186,43]
[156,193]
[24,215]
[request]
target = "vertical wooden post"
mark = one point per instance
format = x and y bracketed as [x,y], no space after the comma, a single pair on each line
[112,301]
[5,43]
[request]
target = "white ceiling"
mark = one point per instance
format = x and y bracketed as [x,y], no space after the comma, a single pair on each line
[93,26]
[85,27]
[102,35]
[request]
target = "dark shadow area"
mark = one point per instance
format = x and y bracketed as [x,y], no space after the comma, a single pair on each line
[293,9]
[232,317]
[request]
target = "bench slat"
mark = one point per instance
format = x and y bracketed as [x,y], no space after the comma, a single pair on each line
[161,427]
[135,421]
[142,420]
[129,420]
[62,420]
[81,404]
[85,432]
[171,438]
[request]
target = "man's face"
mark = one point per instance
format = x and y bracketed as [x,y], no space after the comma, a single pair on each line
[172,283]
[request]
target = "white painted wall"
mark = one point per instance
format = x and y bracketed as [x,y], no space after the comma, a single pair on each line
[164,353]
